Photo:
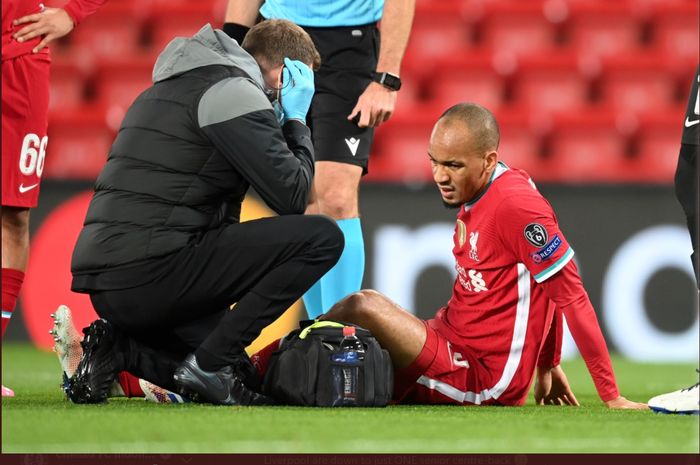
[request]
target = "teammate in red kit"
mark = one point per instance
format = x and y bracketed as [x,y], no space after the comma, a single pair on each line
[516,278]
[27,27]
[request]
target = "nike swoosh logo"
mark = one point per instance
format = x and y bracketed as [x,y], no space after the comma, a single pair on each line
[689,122]
[353,144]
[23,188]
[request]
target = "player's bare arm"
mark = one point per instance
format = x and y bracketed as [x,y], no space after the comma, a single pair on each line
[52,23]
[377,102]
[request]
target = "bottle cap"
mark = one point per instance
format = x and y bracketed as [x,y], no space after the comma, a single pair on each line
[348,331]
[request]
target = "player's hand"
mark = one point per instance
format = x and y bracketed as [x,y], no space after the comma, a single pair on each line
[52,23]
[622,403]
[375,106]
[552,388]
[297,89]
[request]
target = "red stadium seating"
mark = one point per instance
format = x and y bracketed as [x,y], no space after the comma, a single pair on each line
[603,28]
[550,82]
[439,29]
[658,142]
[517,27]
[67,85]
[114,31]
[521,141]
[528,61]
[79,142]
[120,82]
[675,29]
[401,148]
[181,20]
[637,83]
[469,77]
[587,146]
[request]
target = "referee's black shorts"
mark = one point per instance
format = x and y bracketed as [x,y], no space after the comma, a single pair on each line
[348,59]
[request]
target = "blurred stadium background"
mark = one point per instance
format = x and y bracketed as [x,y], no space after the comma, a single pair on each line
[590,95]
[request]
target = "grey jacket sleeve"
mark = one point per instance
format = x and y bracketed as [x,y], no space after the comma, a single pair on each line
[279,163]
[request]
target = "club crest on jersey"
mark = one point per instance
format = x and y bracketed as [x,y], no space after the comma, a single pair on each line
[461,233]
[547,251]
[473,238]
[536,234]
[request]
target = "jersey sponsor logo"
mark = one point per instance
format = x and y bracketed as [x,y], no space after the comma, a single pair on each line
[548,250]
[461,233]
[353,145]
[536,234]
[473,238]
[689,123]
[471,280]
[23,188]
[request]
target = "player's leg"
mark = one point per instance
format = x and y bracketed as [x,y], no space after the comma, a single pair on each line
[402,334]
[68,348]
[686,187]
[429,369]
[686,184]
[15,251]
[348,58]
[25,100]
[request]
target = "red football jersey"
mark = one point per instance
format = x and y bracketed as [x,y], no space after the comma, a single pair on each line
[15,9]
[506,242]
[11,10]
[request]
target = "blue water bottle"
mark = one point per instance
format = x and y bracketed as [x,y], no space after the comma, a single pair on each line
[346,368]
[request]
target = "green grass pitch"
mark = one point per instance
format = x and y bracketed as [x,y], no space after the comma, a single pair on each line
[39,420]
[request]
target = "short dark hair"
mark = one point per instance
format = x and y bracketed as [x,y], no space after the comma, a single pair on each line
[482,125]
[271,40]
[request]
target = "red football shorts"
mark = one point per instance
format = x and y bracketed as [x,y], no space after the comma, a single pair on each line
[443,373]
[25,106]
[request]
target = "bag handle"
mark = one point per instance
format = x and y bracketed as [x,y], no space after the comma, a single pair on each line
[320,324]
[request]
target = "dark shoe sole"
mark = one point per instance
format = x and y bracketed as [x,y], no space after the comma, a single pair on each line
[82,387]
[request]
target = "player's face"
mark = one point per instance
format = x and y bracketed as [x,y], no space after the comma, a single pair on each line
[460,172]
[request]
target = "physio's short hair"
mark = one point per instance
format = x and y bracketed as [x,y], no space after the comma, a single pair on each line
[271,40]
[482,125]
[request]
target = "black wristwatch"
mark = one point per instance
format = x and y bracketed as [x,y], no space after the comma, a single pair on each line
[388,80]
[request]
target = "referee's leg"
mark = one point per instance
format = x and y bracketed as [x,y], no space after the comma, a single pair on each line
[686,184]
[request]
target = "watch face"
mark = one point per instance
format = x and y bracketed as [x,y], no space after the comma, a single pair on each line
[388,80]
[393,82]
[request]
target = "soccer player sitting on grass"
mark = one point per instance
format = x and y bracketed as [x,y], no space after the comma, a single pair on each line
[516,278]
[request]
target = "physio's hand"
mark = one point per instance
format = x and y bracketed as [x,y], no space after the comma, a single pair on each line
[552,388]
[297,89]
[52,23]
[375,106]
[622,403]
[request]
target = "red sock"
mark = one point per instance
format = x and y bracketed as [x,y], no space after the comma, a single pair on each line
[261,359]
[11,284]
[129,384]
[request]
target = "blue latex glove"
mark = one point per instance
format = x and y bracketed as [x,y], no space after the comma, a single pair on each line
[297,90]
